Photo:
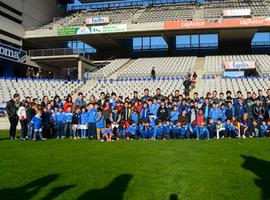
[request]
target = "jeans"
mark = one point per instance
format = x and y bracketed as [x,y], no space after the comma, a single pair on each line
[38,132]
[13,126]
[60,130]
[30,131]
[68,129]
[92,131]
[23,128]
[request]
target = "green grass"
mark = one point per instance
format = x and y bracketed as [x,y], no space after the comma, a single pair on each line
[135,170]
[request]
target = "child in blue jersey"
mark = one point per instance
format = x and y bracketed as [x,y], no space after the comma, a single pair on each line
[37,125]
[68,117]
[135,115]
[59,120]
[158,134]
[175,113]
[203,132]
[167,127]
[211,126]
[148,130]
[83,123]
[152,119]
[229,128]
[153,106]
[185,132]
[92,116]
[100,124]
[145,112]
[176,130]
[132,131]
[264,128]
[107,133]
[142,129]
[121,130]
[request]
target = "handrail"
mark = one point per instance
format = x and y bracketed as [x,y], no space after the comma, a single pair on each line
[61,51]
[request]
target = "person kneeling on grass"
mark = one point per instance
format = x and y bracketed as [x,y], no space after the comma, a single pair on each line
[220,129]
[203,132]
[158,134]
[132,131]
[107,133]
[37,125]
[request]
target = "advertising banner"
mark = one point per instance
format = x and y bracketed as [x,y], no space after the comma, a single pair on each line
[11,53]
[225,23]
[232,65]
[236,12]
[234,73]
[109,28]
[112,28]
[97,20]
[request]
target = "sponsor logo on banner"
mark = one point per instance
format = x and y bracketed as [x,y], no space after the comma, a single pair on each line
[225,23]
[83,30]
[236,12]
[239,65]
[11,53]
[97,20]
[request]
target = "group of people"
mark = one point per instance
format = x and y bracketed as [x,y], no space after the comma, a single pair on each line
[157,117]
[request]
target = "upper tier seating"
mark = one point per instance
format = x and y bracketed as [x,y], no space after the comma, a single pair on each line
[166,13]
[36,88]
[164,67]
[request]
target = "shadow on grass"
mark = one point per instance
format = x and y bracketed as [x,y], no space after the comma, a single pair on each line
[173,197]
[31,189]
[115,190]
[260,168]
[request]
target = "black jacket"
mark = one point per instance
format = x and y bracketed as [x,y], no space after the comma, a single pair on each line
[163,113]
[11,109]
[258,110]
[75,118]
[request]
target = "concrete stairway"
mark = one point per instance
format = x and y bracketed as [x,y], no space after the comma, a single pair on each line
[117,73]
[199,69]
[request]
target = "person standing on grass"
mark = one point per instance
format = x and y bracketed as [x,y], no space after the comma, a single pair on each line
[23,119]
[92,117]
[12,111]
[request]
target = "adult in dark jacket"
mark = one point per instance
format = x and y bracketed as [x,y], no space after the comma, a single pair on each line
[258,111]
[12,108]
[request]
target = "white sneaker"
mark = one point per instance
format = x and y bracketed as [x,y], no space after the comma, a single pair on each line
[102,140]
[244,137]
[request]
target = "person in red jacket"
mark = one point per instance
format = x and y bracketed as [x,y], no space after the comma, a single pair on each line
[200,118]
[68,103]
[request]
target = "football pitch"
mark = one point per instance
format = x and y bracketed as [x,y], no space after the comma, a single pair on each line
[135,170]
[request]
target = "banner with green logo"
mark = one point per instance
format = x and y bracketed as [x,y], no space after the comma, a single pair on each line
[112,28]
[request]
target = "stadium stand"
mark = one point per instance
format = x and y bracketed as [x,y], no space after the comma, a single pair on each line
[125,87]
[110,68]
[215,64]
[164,66]
[244,84]
[36,88]
[157,13]
[167,13]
